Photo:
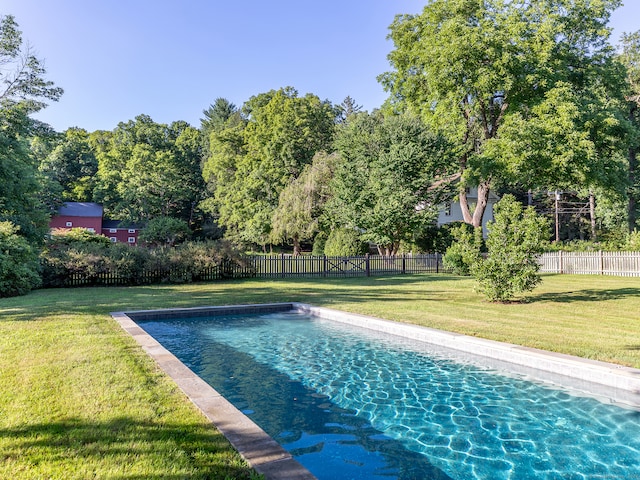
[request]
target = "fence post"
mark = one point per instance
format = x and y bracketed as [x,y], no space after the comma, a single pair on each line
[560,266]
[437,263]
[601,262]
[403,264]
[324,266]
[367,265]
[282,265]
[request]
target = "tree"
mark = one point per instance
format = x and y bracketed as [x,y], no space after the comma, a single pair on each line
[347,108]
[23,91]
[467,67]
[215,119]
[516,237]
[385,183]
[630,57]
[146,169]
[217,115]
[254,158]
[298,214]
[165,231]
[73,165]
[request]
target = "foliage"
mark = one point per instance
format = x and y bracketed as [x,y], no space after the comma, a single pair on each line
[385,184]
[344,242]
[516,237]
[165,231]
[147,170]
[23,91]
[630,58]
[319,242]
[73,165]
[68,236]
[256,156]
[633,242]
[87,259]
[300,207]
[471,68]
[18,262]
[465,251]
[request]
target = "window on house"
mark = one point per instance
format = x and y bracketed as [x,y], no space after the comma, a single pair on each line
[113,230]
[113,239]
[69,224]
[132,230]
[92,230]
[132,240]
[447,209]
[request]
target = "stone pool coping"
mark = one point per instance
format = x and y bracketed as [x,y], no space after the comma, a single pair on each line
[613,383]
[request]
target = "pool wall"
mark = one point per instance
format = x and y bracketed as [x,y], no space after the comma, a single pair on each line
[612,383]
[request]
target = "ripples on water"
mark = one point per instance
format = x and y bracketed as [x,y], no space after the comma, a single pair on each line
[350,403]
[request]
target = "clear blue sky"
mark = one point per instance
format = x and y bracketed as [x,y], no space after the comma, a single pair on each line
[170,59]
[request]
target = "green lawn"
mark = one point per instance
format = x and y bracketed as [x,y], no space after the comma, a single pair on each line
[81,400]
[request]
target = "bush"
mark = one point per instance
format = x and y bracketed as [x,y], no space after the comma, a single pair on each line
[434,239]
[65,236]
[633,242]
[516,237]
[344,242]
[319,244]
[166,231]
[133,265]
[18,262]
[465,251]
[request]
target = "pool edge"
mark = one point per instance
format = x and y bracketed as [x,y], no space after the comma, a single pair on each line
[261,452]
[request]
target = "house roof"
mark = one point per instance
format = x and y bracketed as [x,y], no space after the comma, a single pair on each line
[81,209]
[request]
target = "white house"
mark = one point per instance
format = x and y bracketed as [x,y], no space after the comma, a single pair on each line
[452,212]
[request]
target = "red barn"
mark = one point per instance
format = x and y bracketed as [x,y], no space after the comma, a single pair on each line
[79,215]
[90,216]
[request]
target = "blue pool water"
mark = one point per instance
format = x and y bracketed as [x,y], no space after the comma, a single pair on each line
[353,404]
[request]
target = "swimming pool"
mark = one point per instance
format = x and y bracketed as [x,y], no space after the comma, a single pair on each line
[350,403]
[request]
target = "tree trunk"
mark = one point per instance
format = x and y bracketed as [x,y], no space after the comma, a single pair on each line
[592,216]
[297,249]
[476,217]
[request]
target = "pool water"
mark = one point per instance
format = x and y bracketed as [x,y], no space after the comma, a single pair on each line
[349,403]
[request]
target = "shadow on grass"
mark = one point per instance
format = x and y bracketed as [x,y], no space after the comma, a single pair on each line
[319,291]
[590,295]
[123,442]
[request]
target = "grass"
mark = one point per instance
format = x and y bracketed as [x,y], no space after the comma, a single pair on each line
[80,399]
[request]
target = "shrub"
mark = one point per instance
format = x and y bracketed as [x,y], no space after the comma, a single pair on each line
[137,265]
[166,231]
[633,242]
[465,251]
[344,242]
[65,236]
[319,244]
[18,262]
[516,237]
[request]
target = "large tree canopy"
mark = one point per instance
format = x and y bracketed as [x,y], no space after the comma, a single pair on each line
[147,170]
[469,66]
[256,156]
[386,184]
[72,164]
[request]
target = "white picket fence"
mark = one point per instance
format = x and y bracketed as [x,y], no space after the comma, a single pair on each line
[624,264]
